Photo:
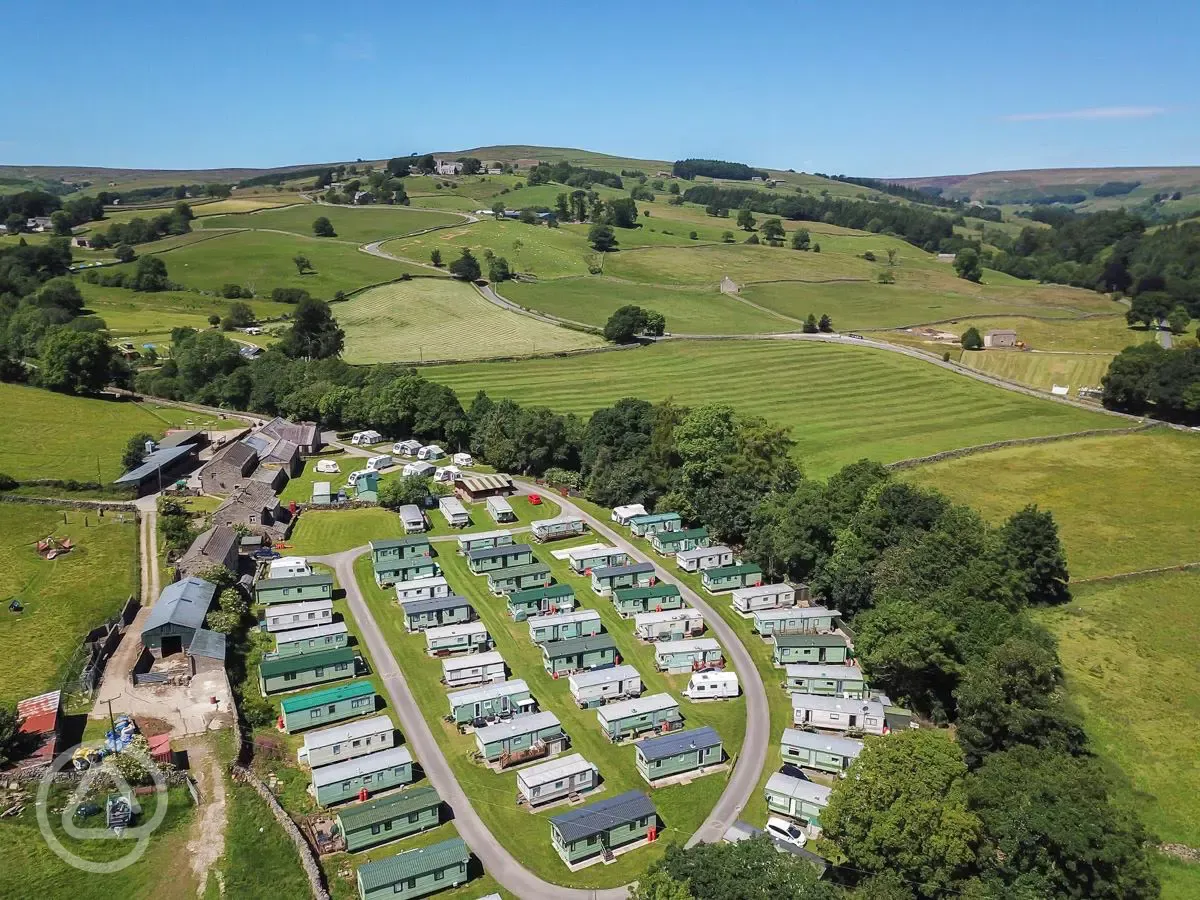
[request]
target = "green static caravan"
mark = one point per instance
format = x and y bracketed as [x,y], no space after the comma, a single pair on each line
[668,543]
[678,753]
[521,578]
[310,640]
[614,578]
[289,673]
[822,752]
[659,598]
[327,706]
[556,529]
[465,637]
[687,655]
[341,742]
[400,548]
[645,526]
[366,488]
[379,771]
[491,701]
[415,873]
[797,798]
[541,601]
[484,540]
[435,611]
[521,737]
[796,620]
[389,817]
[629,718]
[583,559]
[831,681]
[392,571]
[491,559]
[593,831]
[293,590]
[730,578]
[809,648]
[564,657]
[565,626]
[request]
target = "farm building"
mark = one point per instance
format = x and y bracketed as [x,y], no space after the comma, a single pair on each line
[327,706]
[293,590]
[322,493]
[820,649]
[595,652]
[555,529]
[288,673]
[668,543]
[218,546]
[500,510]
[645,526]
[631,601]
[391,571]
[595,830]
[491,701]
[795,620]
[822,752]
[1000,338]
[712,686]
[729,578]
[309,640]
[702,558]
[431,452]
[832,681]
[797,798]
[564,626]
[372,773]
[466,637]
[540,731]
[678,753]
[419,469]
[389,817]
[479,487]
[612,578]
[305,614]
[422,589]
[556,779]
[177,615]
[749,600]
[519,578]
[837,714]
[160,468]
[411,518]
[435,611]
[484,539]
[475,668]
[539,601]
[629,718]
[489,559]
[454,512]
[401,548]
[415,873]
[583,559]
[41,719]
[684,656]
[342,742]
[407,448]
[622,514]
[603,685]
[668,624]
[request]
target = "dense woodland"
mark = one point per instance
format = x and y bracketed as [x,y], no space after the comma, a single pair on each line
[715,168]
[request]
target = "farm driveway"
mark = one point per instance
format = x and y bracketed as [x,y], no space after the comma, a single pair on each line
[207,842]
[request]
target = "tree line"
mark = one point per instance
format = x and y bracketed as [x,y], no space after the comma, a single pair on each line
[1147,378]
[563,172]
[715,168]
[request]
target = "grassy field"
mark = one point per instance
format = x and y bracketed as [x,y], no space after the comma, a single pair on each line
[1041,370]
[1122,502]
[529,249]
[352,223]
[440,319]
[64,598]
[260,861]
[841,403]
[1095,334]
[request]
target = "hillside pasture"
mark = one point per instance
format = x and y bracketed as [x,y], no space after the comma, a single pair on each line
[841,403]
[1093,334]
[529,249]
[441,319]
[358,224]
[1040,370]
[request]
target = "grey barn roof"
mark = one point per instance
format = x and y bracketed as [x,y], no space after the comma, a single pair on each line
[182,603]
[158,459]
[209,644]
[678,742]
[598,817]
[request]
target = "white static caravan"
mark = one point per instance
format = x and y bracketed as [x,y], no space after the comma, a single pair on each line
[712,686]
[492,701]
[602,685]
[411,518]
[342,742]
[622,514]
[406,448]
[595,556]
[564,626]
[684,656]
[837,713]
[703,558]
[476,668]
[558,778]
[464,637]
[304,614]
[289,567]
[454,512]
[422,589]
[553,529]
[749,600]
[669,624]
[500,510]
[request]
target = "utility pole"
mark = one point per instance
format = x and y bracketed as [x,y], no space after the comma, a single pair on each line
[112,723]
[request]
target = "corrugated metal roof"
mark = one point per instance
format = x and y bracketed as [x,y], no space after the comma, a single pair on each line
[209,644]
[825,743]
[313,699]
[390,806]
[623,709]
[798,788]
[183,603]
[603,816]
[575,646]
[153,462]
[271,668]
[475,483]
[677,742]
[354,768]
[412,864]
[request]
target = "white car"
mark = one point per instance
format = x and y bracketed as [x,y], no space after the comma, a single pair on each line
[783,830]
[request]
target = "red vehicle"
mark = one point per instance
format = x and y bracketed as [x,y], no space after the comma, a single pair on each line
[535,499]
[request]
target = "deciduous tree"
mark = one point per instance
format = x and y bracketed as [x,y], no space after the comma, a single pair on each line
[466,267]
[322,227]
[967,264]
[971,339]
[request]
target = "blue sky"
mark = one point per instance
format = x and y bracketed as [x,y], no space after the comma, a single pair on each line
[867,88]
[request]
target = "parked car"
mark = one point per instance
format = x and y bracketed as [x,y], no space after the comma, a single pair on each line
[794,771]
[783,830]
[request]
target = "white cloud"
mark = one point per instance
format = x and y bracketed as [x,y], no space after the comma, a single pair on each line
[1096,112]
